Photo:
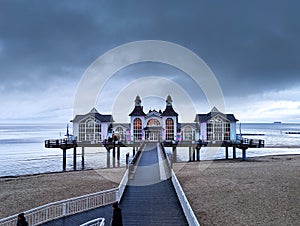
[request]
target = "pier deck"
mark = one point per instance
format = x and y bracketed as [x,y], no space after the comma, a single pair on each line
[147,199]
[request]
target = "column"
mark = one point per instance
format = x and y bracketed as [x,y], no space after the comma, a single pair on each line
[226,152]
[74,158]
[82,157]
[234,152]
[244,154]
[64,159]
[198,153]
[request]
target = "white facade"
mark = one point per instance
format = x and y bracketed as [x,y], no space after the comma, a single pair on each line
[154,126]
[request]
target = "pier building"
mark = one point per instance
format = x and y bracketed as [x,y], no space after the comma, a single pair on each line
[156,125]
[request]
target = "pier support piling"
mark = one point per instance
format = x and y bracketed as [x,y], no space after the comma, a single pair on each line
[234,152]
[198,153]
[244,154]
[82,157]
[108,158]
[133,151]
[226,152]
[118,153]
[74,158]
[190,154]
[174,154]
[64,159]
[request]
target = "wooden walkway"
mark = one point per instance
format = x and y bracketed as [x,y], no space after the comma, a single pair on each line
[147,199]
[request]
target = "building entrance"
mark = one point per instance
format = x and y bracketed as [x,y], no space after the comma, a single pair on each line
[153,133]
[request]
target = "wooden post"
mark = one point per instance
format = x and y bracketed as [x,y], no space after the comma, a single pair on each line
[244,154]
[193,153]
[74,158]
[118,153]
[198,153]
[190,154]
[82,157]
[234,152]
[108,158]
[174,154]
[226,152]
[133,151]
[64,159]
[127,160]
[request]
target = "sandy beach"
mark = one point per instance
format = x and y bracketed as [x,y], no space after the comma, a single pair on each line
[260,191]
[22,193]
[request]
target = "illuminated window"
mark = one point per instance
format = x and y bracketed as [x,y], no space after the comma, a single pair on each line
[153,122]
[169,129]
[137,129]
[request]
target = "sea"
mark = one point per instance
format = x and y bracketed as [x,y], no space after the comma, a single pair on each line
[23,152]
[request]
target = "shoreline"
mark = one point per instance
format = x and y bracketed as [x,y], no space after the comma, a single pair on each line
[57,172]
[121,167]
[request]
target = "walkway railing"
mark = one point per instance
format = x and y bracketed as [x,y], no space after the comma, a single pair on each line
[71,206]
[95,222]
[187,209]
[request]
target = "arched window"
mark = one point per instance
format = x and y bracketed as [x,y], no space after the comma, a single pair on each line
[120,133]
[153,122]
[169,129]
[90,130]
[137,129]
[218,129]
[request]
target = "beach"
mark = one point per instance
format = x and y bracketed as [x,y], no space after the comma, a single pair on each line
[18,194]
[260,191]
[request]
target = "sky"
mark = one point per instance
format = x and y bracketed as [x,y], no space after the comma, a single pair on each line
[251,47]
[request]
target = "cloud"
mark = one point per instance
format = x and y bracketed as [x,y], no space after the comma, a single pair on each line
[252,47]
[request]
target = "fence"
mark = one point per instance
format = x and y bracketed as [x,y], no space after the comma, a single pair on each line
[187,209]
[95,222]
[71,206]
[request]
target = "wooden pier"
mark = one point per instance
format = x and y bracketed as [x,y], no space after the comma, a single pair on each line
[115,146]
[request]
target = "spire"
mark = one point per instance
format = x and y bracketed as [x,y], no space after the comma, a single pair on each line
[138,109]
[138,101]
[169,101]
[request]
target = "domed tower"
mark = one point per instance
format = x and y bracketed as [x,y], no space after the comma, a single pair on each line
[170,119]
[137,120]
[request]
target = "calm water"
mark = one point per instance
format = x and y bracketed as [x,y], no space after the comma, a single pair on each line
[22,148]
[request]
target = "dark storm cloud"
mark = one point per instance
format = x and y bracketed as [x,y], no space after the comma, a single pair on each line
[251,45]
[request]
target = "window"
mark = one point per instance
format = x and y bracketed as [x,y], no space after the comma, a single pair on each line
[227,131]
[153,122]
[218,129]
[188,133]
[169,129]
[137,129]
[120,133]
[89,130]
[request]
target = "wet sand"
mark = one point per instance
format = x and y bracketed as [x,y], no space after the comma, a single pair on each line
[18,194]
[260,191]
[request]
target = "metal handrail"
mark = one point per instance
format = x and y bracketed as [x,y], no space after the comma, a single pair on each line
[187,209]
[95,222]
[55,210]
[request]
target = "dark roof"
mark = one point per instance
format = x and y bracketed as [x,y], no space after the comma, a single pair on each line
[169,111]
[137,111]
[208,116]
[94,113]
